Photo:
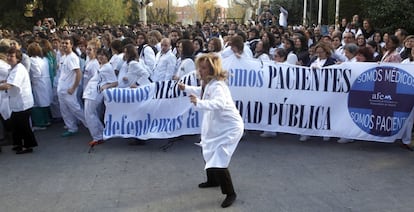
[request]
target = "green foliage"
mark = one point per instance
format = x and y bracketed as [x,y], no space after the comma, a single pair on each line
[96,11]
[14,19]
[294,7]
[132,15]
[386,15]
[56,9]
[12,14]
[390,15]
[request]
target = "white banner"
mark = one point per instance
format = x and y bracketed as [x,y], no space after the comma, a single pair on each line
[366,101]
[157,110]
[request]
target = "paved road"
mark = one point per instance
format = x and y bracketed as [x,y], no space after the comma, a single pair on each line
[278,174]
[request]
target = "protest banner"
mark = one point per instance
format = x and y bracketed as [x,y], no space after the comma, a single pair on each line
[365,101]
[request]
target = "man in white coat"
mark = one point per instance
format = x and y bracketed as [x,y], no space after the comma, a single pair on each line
[165,61]
[69,79]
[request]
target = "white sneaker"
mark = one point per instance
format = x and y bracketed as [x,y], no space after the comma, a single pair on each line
[326,138]
[303,137]
[266,134]
[345,140]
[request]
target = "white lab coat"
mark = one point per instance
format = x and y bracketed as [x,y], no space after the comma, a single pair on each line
[148,56]
[135,72]
[21,97]
[41,84]
[117,61]
[187,65]
[4,98]
[164,67]
[222,126]
[94,100]
[91,67]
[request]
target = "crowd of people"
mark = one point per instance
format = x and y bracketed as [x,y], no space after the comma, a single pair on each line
[68,68]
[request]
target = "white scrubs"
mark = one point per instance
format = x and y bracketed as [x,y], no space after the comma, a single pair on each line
[94,100]
[69,105]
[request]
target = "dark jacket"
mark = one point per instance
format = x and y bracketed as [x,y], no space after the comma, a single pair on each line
[329,61]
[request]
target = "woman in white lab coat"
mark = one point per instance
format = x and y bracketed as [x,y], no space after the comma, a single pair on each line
[222,126]
[21,102]
[41,87]
[103,79]
[133,72]
[5,111]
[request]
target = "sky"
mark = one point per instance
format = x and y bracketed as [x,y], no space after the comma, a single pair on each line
[180,3]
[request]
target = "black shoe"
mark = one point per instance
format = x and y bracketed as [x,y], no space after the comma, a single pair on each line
[230,198]
[24,151]
[137,142]
[17,148]
[207,185]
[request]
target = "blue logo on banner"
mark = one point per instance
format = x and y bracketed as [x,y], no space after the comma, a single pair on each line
[381,100]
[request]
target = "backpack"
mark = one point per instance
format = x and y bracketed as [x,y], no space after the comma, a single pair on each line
[153,49]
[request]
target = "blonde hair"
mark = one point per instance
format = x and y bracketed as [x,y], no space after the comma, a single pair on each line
[5,42]
[214,62]
[96,43]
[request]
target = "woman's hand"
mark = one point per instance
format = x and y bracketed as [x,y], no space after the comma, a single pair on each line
[181,86]
[193,99]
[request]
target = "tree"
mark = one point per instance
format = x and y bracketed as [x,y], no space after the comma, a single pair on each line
[236,13]
[389,15]
[205,9]
[250,6]
[12,14]
[158,13]
[56,9]
[99,11]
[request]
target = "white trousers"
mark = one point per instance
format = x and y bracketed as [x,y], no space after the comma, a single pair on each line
[71,111]
[93,111]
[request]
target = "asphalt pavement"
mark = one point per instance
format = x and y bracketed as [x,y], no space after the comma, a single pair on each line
[269,174]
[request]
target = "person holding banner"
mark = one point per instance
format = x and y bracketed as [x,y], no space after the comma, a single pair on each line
[222,126]
[323,58]
[391,55]
[103,79]
[186,65]
[279,58]
[133,72]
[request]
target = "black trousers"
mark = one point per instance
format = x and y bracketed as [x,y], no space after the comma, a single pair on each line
[221,177]
[22,133]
